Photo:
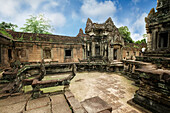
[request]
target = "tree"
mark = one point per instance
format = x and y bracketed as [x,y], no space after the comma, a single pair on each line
[143,40]
[125,33]
[4,25]
[37,24]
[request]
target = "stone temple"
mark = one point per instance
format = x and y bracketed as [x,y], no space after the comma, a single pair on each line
[93,72]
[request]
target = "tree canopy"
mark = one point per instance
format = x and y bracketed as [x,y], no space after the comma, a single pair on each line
[37,24]
[125,33]
[143,40]
[4,25]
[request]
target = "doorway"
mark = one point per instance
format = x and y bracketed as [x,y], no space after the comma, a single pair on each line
[115,54]
[97,50]
[9,54]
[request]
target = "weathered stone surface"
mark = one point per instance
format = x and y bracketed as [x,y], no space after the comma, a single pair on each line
[37,103]
[61,108]
[13,108]
[75,104]
[95,105]
[45,109]
[14,100]
[68,94]
[79,110]
[59,104]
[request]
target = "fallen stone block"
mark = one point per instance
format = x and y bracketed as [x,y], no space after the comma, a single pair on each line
[96,105]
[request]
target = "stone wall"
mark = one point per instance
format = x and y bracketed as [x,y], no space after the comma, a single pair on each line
[34,52]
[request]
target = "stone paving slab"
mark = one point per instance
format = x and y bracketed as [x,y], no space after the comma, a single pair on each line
[59,104]
[13,100]
[13,108]
[75,104]
[96,105]
[46,109]
[68,94]
[37,103]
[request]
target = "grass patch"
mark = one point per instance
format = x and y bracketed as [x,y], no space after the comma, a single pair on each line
[52,89]
[27,88]
[51,78]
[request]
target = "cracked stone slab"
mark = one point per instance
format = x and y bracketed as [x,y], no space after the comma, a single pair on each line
[14,100]
[13,108]
[96,105]
[37,103]
[46,109]
[59,104]
[68,94]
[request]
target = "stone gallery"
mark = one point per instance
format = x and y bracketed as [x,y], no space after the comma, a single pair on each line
[94,72]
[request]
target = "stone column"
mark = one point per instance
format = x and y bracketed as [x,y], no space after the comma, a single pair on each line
[154,40]
[168,39]
[85,52]
[42,56]
[109,52]
[93,48]
[149,39]
[101,49]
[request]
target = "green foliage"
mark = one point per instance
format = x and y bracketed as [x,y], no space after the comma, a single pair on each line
[4,25]
[37,24]
[5,33]
[125,33]
[143,40]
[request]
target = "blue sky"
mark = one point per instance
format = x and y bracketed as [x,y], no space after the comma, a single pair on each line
[68,16]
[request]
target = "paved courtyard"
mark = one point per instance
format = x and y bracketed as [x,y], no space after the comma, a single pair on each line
[116,90]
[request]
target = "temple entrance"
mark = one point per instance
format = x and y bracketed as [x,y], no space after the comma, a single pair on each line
[163,41]
[9,54]
[97,50]
[115,54]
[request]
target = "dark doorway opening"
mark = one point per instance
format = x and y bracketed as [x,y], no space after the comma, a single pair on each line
[163,42]
[67,53]
[9,54]
[47,53]
[115,54]
[97,50]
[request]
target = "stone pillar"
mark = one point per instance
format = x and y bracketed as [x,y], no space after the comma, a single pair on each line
[109,52]
[52,55]
[93,48]
[149,39]
[154,40]
[105,49]
[157,40]
[85,52]
[168,39]
[101,53]
[42,56]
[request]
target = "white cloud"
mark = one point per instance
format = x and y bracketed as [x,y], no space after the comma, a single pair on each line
[9,7]
[49,5]
[74,15]
[11,11]
[57,19]
[98,11]
[138,28]
[34,3]
[135,1]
